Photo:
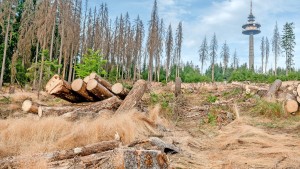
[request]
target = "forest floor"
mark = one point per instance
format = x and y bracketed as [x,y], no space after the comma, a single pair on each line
[215,127]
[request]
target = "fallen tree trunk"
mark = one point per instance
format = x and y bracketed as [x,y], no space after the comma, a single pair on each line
[291,104]
[245,86]
[62,89]
[111,104]
[100,80]
[118,158]
[12,162]
[29,107]
[98,90]
[79,86]
[120,90]
[298,89]
[271,94]
[133,97]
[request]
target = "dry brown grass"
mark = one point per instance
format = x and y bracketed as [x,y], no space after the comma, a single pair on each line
[29,135]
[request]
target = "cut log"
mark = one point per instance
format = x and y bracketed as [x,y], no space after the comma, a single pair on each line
[86,79]
[82,151]
[160,144]
[118,158]
[98,90]
[248,86]
[177,86]
[77,111]
[120,90]
[62,155]
[102,81]
[29,107]
[271,94]
[133,97]
[79,86]
[62,89]
[291,105]
[298,89]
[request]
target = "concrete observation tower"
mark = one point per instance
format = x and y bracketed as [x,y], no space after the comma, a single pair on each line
[251,28]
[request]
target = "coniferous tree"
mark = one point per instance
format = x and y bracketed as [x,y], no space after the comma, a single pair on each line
[153,38]
[262,48]
[235,62]
[7,15]
[203,53]
[213,55]
[178,46]
[288,44]
[225,54]
[267,45]
[276,48]
[169,50]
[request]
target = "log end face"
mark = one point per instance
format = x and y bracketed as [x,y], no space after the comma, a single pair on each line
[93,75]
[291,106]
[117,88]
[26,105]
[86,79]
[92,83]
[77,84]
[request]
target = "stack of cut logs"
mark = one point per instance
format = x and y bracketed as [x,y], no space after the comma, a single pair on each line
[287,92]
[91,95]
[291,96]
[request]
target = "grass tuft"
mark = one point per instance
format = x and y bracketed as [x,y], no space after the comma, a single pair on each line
[268,109]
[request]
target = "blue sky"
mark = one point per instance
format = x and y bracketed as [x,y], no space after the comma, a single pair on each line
[224,17]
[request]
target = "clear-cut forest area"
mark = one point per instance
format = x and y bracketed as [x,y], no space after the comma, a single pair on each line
[80,89]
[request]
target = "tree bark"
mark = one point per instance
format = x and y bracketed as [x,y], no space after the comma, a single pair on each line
[75,112]
[120,90]
[62,89]
[177,86]
[98,89]
[36,61]
[29,107]
[100,80]
[291,105]
[133,97]
[5,51]
[271,94]
[79,86]
[118,158]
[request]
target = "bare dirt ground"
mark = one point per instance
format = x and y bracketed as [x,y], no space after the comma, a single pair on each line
[207,131]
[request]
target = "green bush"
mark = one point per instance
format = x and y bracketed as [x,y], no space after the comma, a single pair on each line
[92,62]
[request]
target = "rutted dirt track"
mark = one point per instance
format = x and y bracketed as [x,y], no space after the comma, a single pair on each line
[237,145]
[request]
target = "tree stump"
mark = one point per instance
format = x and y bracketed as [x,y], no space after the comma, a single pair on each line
[177,86]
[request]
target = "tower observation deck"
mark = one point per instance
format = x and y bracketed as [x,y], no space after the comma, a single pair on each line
[251,28]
